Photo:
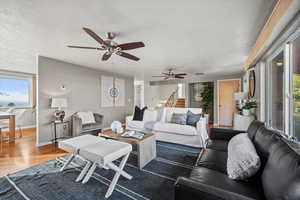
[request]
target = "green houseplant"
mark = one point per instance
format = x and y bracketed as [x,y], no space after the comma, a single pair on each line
[247,106]
[207,96]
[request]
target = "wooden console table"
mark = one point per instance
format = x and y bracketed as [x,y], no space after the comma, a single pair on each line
[12,124]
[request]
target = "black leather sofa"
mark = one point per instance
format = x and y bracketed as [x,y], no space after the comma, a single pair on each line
[277,179]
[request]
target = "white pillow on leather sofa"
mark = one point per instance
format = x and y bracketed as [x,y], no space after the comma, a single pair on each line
[243,161]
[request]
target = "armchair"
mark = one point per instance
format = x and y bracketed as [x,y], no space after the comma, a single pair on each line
[80,129]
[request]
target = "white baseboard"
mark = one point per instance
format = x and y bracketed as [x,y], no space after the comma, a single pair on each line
[30,126]
[22,127]
[43,144]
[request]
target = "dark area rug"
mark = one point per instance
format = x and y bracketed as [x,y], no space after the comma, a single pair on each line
[155,181]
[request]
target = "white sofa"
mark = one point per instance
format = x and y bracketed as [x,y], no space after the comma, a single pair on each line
[158,122]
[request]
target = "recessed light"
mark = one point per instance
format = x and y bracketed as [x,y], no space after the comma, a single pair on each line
[279,63]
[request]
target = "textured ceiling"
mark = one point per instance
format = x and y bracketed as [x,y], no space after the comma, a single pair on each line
[210,36]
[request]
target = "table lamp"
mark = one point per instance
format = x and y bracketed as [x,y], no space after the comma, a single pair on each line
[59,103]
[240,96]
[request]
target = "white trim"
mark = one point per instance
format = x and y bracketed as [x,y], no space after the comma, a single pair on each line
[37,102]
[262,100]
[218,98]
[286,92]
[22,127]
[43,144]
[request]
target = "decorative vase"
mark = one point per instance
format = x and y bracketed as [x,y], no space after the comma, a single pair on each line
[253,111]
[246,112]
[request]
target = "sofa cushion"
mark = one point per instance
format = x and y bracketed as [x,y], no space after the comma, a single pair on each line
[169,111]
[178,118]
[219,186]
[139,113]
[281,176]
[150,115]
[219,145]
[213,159]
[263,140]
[90,127]
[174,128]
[254,126]
[192,119]
[136,125]
[243,161]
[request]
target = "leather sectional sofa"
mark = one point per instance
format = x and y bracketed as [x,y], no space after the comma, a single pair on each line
[278,177]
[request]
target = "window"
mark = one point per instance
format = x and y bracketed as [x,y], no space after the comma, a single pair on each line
[295,100]
[15,91]
[276,91]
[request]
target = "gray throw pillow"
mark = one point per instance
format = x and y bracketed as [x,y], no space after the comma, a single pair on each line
[243,161]
[178,118]
[192,119]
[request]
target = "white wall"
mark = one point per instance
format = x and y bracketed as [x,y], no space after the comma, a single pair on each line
[154,94]
[83,93]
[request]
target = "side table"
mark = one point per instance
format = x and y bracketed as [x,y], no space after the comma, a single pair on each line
[55,123]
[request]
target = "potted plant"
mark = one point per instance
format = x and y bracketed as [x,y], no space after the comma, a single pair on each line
[247,106]
[207,96]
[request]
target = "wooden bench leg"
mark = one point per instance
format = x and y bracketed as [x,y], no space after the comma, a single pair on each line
[84,171]
[119,170]
[68,162]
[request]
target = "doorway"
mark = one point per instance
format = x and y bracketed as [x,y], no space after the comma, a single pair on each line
[226,102]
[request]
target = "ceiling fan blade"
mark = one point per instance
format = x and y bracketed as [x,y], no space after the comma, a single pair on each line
[181,74]
[180,77]
[132,45]
[106,56]
[81,47]
[95,36]
[166,78]
[158,76]
[127,55]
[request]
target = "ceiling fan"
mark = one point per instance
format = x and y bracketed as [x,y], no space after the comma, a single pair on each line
[170,74]
[111,47]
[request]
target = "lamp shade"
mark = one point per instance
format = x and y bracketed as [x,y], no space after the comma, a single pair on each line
[240,95]
[59,103]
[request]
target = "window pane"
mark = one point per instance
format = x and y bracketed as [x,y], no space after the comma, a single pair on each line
[296,88]
[14,92]
[277,85]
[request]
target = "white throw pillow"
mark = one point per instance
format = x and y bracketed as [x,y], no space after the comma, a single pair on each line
[86,117]
[150,115]
[243,161]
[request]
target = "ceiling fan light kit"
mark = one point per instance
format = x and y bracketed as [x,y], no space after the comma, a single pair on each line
[110,46]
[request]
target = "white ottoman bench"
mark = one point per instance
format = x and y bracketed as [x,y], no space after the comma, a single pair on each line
[97,151]
[102,154]
[73,146]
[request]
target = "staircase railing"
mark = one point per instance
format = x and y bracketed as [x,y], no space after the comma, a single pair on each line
[171,102]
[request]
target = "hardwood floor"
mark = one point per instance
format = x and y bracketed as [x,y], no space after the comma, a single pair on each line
[23,153]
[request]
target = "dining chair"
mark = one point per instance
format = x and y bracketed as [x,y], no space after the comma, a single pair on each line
[4,124]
